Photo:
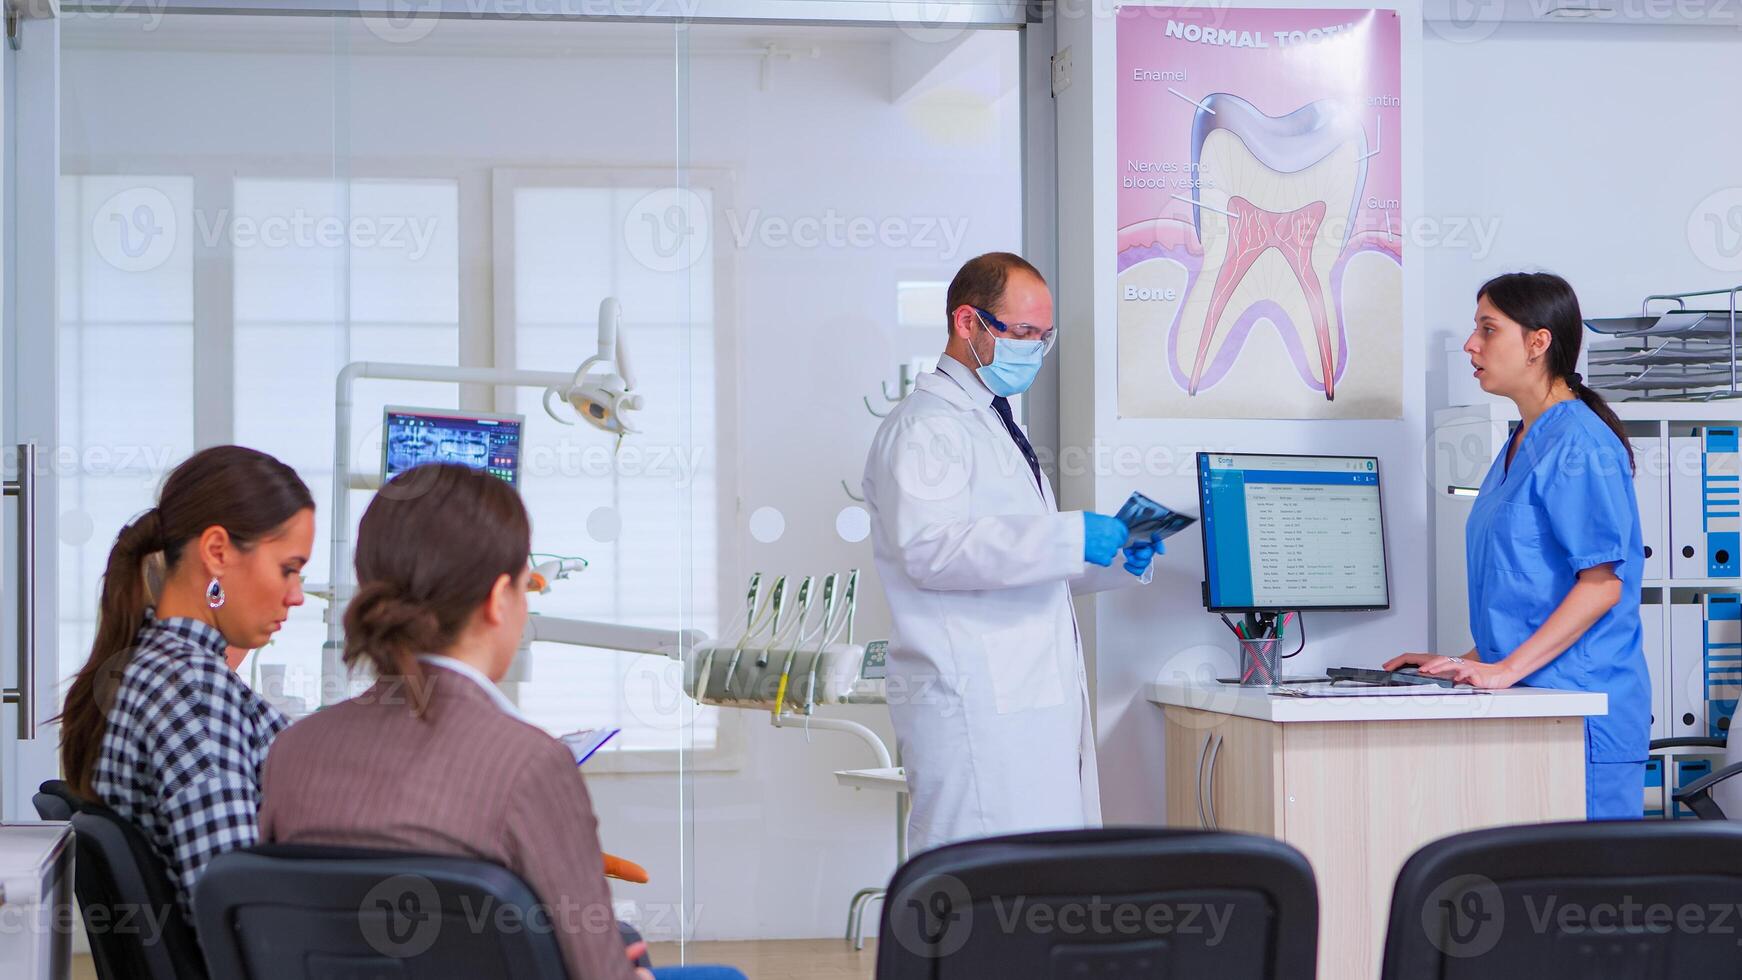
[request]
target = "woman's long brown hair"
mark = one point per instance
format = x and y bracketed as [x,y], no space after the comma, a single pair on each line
[247,493]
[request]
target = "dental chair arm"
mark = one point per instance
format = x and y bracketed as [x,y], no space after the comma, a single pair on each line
[865,734]
[612,636]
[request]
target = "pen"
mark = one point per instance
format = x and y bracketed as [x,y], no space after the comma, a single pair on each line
[1231,627]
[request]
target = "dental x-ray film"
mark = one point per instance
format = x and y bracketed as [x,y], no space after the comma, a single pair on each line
[1145,517]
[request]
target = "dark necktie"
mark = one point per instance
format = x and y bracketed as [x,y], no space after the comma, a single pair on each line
[1001,405]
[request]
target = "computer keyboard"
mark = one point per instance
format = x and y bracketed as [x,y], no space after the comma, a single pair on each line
[1388,678]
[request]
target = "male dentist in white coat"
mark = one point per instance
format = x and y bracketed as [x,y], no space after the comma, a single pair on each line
[986,682]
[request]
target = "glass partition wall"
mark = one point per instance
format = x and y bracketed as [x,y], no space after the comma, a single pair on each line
[248,204]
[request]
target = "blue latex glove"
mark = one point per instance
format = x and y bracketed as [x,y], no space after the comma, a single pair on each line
[1103,536]
[1139,555]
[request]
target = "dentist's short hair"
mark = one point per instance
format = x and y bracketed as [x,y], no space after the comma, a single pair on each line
[981,281]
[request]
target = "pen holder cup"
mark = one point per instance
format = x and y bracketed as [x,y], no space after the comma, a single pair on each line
[1259,664]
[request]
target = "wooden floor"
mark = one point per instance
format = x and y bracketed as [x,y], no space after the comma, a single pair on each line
[785,959]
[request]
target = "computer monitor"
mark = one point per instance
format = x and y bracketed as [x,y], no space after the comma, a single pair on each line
[1292,532]
[414,436]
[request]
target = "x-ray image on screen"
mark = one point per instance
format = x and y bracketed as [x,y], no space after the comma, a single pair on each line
[413,437]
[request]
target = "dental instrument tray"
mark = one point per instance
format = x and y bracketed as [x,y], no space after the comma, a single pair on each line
[790,649]
[1668,351]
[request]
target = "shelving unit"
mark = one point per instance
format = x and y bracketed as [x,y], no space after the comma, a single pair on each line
[1674,353]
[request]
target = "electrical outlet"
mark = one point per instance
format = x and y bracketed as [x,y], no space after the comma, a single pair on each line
[1061,71]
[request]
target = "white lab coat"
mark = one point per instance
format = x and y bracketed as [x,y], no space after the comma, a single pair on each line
[986,682]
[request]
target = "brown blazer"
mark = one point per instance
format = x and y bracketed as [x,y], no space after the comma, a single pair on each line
[465,779]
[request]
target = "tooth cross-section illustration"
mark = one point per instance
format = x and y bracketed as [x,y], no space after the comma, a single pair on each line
[1275,205]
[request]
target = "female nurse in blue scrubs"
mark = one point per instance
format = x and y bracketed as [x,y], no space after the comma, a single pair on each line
[1553,544]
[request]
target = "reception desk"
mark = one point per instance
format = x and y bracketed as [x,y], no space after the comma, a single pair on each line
[1359,783]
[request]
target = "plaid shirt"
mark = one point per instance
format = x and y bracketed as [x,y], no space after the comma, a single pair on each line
[182,753]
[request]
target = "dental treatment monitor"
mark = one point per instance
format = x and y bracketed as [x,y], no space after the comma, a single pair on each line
[1292,532]
[414,436]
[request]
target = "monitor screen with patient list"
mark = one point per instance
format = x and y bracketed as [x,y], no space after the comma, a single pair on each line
[1292,532]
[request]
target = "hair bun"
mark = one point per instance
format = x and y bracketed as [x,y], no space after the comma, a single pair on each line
[382,619]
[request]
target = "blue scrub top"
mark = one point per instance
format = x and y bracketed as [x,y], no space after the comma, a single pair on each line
[1565,505]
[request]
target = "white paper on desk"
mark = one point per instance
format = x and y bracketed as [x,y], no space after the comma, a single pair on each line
[1329,691]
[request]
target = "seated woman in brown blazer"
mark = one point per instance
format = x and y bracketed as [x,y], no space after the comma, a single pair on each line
[433,758]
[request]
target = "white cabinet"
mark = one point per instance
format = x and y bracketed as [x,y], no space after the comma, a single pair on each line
[36,897]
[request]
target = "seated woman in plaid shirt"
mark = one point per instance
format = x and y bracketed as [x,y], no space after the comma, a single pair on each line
[157,725]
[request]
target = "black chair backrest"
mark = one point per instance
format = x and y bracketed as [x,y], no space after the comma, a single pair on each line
[283,912]
[1640,899]
[1113,903]
[128,903]
[54,800]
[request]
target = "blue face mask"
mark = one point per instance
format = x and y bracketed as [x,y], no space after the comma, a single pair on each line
[1015,363]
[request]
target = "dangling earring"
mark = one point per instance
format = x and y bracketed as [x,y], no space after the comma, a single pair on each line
[215,593]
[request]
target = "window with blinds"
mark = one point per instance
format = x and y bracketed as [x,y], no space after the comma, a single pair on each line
[327,272]
[643,514]
[126,344]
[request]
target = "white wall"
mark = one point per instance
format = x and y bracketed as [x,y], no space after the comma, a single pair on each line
[1142,634]
[777,848]
[1589,150]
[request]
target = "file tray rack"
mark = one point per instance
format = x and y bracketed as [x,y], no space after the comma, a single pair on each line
[1669,352]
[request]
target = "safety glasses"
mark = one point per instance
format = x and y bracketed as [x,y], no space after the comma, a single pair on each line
[1021,331]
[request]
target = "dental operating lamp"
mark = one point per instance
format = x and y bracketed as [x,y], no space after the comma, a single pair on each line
[602,390]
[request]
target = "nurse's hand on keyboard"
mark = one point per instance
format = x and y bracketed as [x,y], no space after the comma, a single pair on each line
[1411,660]
[1465,670]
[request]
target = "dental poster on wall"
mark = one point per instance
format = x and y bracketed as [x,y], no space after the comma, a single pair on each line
[1260,256]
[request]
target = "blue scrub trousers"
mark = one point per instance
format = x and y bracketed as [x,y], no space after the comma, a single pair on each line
[696,973]
[1614,790]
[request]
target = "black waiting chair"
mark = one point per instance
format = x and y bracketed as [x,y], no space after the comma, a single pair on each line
[1113,903]
[1569,900]
[136,928]
[1698,795]
[297,912]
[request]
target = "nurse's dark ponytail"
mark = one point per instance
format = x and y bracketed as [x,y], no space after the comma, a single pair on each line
[1545,301]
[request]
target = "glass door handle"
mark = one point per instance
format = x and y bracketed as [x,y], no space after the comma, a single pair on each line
[24,488]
